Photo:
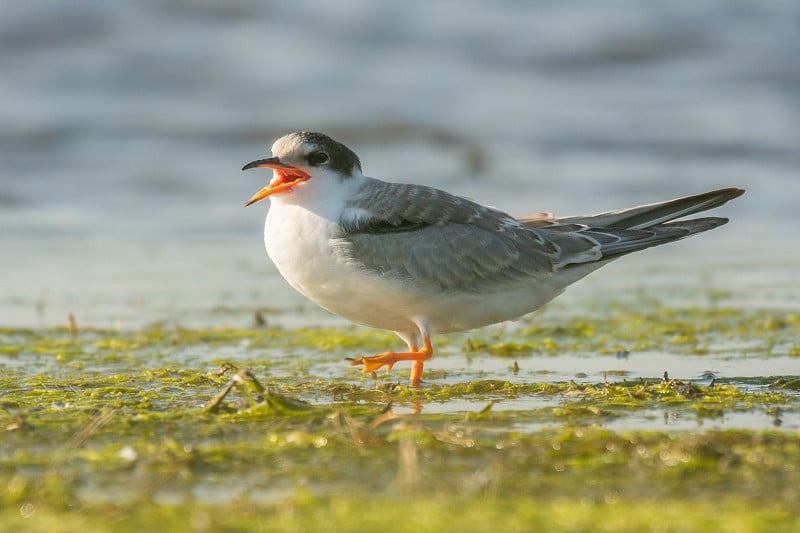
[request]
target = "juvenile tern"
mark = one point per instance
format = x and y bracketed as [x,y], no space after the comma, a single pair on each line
[419,261]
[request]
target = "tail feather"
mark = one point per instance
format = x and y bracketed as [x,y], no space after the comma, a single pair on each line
[597,238]
[649,215]
[616,242]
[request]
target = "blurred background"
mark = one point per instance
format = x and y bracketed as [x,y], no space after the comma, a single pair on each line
[123,126]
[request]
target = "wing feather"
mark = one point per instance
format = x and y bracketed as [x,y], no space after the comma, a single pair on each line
[439,240]
[436,240]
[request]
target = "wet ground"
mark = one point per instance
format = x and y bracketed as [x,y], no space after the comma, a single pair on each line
[124,126]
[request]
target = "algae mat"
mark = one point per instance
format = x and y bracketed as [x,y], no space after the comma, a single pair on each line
[658,419]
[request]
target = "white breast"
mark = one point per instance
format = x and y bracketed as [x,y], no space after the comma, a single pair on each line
[299,238]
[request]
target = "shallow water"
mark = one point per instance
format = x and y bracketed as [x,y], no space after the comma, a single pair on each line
[748,374]
[124,127]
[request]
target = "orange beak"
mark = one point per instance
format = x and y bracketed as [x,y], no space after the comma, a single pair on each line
[286,177]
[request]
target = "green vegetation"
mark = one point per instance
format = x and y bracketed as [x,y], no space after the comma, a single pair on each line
[125,431]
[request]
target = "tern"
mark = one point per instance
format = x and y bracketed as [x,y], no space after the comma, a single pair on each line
[419,261]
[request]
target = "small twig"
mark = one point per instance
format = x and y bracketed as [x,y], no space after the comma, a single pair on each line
[73,327]
[98,421]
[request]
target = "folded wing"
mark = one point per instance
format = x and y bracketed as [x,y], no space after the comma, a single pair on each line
[436,240]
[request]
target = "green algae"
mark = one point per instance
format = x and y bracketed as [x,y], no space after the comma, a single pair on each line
[113,430]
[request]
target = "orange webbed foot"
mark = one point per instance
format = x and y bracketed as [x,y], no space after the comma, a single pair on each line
[388,359]
[373,363]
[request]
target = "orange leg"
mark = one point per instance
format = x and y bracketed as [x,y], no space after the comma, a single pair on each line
[388,359]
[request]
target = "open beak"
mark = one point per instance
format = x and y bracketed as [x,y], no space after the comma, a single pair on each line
[286,177]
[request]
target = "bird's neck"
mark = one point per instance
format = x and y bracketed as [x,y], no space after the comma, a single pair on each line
[323,197]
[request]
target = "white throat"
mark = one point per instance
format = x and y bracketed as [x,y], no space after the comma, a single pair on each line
[325,194]
[300,225]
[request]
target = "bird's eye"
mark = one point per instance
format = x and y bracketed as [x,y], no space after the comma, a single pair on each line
[317,158]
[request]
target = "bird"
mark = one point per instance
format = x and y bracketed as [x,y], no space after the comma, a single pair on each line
[419,261]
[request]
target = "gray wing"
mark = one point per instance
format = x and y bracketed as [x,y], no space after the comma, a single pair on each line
[435,239]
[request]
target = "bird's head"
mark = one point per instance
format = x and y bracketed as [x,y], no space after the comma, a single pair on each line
[303,156]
